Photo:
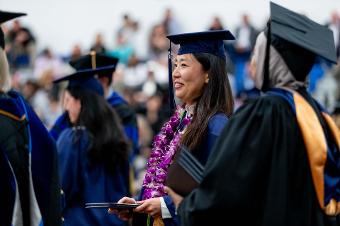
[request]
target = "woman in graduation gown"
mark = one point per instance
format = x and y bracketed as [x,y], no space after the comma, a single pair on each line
[29,183]
[93,153]
[278,159]
[201,83]
[125,112]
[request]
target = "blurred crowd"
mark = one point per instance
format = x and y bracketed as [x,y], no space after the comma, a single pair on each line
[143,82]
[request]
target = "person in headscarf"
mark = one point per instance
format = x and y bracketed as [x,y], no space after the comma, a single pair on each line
[277,161]
[30,192]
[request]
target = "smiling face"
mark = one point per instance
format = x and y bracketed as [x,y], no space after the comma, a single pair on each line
[189,78]
[72,106]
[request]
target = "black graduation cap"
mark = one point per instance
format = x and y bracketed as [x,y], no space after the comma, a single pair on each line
[197,42]
[300,30]
[202,42]
[95,60]
[85,79]
[6,16]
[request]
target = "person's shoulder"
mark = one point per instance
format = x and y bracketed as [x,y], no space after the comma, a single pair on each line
[217,122]
[118,102]
[123,109]
[73,138]
[70,133]
[264,105]
[12,105]
[218,118]
[116,99]
[276,100]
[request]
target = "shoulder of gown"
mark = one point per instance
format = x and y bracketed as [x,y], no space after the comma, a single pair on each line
[215,126]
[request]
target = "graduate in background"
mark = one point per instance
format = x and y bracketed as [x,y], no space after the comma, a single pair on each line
[29,187]
[125,112]
[278,159]
[201,84]
[93,152]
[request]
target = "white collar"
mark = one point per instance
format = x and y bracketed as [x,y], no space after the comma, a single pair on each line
[190,108]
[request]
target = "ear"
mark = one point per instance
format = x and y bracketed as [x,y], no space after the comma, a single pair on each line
[206,78]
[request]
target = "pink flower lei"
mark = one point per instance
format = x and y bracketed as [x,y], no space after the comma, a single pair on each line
[164,148]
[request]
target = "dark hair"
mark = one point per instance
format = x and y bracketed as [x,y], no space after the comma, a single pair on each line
[216,98]
[109,145]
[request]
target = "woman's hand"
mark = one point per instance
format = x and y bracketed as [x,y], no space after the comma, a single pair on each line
[150,206]
[176,198]
[123,214]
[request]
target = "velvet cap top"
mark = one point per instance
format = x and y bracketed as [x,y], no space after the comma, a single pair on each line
[202,42]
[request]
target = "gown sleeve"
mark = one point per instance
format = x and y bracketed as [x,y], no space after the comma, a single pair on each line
[72,145]
[61,123]
[215,126]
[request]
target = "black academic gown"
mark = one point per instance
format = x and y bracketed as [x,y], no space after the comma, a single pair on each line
[253,179]
[29,180]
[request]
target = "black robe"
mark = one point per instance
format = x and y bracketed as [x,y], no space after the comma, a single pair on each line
[258,173]
[28,166]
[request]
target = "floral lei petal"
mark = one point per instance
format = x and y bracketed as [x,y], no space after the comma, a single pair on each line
[164,148]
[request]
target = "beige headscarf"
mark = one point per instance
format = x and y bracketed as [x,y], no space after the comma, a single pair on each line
[279,73]
[5,79]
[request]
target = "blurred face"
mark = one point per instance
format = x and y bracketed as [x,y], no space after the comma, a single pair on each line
[189,78]
[72,106]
